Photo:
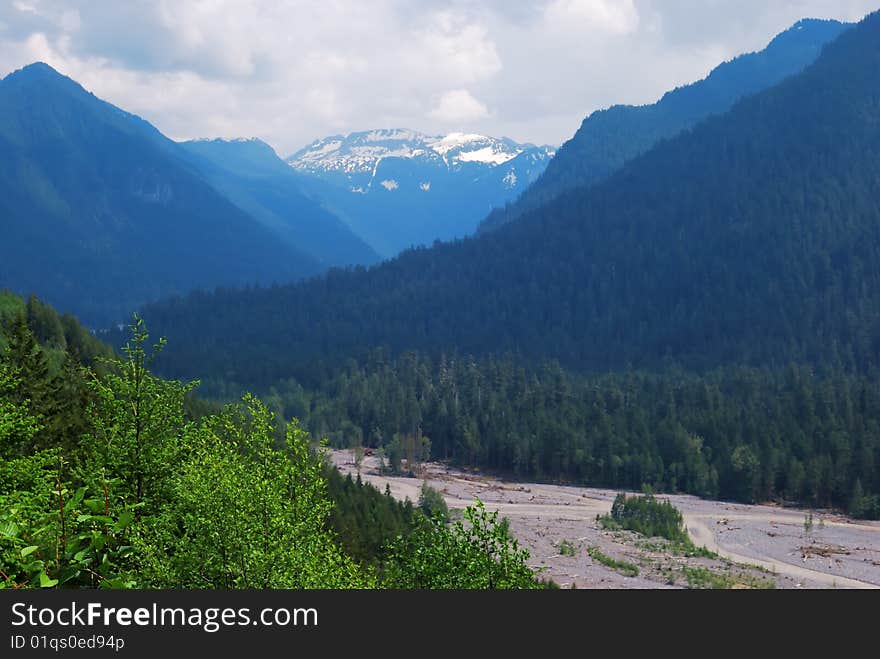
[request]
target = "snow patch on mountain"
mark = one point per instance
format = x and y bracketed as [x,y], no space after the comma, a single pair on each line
[316,153]
[487,155]
[443,145]
[393,134]
[357,156]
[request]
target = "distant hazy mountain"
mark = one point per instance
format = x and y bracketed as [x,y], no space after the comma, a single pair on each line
[607,139]
[398,188]
[99,212]
[251,175]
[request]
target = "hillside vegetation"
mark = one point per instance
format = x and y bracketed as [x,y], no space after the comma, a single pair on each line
[107,480]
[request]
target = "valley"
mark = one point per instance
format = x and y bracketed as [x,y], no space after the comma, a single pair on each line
[494,272]
[757,545]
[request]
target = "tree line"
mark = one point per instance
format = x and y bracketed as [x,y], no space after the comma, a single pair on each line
[793,435]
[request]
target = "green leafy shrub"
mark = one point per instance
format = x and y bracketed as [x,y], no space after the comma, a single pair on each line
[432,504]
[477,552]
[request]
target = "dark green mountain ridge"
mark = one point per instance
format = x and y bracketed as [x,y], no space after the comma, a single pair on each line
[608,138]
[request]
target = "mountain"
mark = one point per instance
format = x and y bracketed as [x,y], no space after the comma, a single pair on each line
[705,320]
[249,173]
[399,188]
[607,139]
[753,238]
[101,213]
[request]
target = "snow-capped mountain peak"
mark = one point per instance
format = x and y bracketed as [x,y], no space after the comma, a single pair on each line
[397,188]
[356,156]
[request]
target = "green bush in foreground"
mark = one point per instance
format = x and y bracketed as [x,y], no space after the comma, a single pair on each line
[478,552]
[149,497]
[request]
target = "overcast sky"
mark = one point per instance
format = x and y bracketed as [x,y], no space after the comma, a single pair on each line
[290,71]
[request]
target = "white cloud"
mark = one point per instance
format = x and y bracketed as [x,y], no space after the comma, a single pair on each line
[25,7]
[458,48]
[612,16]
[70,20]
[459,107]
[291,71]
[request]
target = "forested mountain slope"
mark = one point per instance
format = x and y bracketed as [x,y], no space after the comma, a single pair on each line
[100,214]
[253,177]
[754,238]
[607,139]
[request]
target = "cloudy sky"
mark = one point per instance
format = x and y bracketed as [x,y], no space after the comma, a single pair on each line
[290,71]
